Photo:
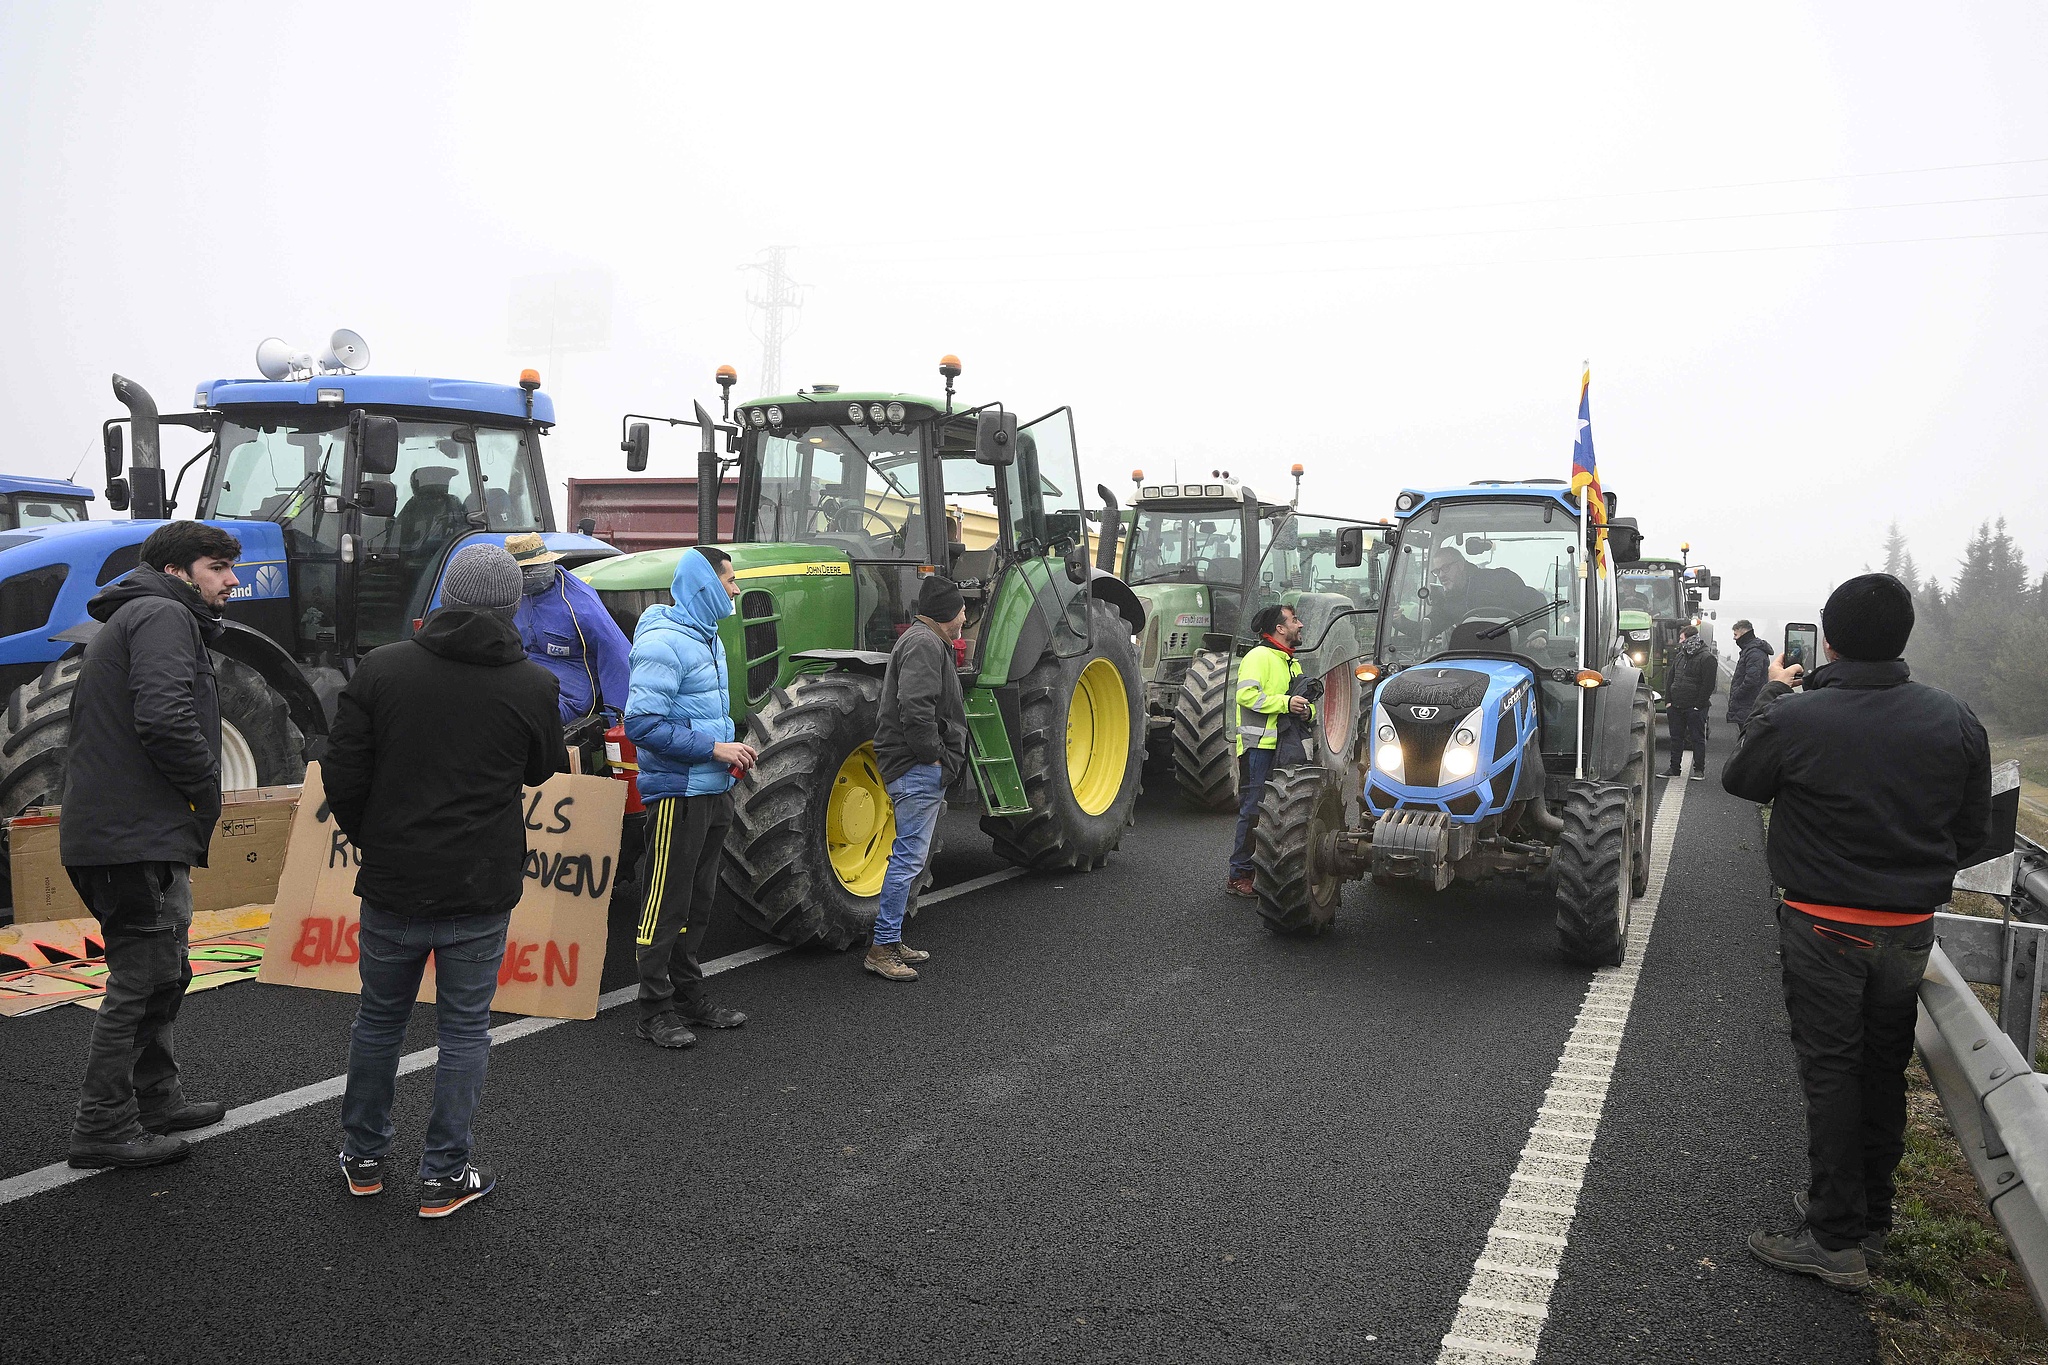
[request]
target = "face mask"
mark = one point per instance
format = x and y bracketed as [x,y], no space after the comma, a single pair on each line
[536,579]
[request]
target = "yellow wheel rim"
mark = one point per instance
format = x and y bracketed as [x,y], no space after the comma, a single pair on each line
[1098,737]
[860,824]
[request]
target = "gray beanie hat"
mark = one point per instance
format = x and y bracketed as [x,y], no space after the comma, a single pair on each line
[482,578]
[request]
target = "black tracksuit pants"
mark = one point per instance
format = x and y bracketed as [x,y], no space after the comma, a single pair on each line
[1853,991]
[1688,731]
[678,881]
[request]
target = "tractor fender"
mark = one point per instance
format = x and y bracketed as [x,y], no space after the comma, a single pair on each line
[308,710]
[1611,739]
[1107,587]
[865,661]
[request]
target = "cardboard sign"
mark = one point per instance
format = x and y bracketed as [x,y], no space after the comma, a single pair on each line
[554,953]
[243,859]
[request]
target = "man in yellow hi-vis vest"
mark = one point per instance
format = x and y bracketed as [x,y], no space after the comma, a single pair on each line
[1266,705]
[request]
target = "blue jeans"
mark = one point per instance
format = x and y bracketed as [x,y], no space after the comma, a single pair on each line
[467,950]
[1254,766]
[919,796]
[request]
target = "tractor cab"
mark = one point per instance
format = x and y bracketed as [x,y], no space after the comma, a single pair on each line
[26,501]
[1505,729]
[1652,599]
[1192,554]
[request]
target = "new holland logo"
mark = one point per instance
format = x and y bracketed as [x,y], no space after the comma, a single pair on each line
[1423,712]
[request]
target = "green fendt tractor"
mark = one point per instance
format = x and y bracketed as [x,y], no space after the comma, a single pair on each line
[1658,596]
[1206,557]
[845,500]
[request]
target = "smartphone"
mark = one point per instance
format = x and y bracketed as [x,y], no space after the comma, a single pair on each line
[1802,644]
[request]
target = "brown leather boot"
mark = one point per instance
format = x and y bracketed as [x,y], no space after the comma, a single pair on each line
[910,954]
[884,961]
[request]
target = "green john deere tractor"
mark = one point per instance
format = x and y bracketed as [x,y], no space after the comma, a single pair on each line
[845,500]
[1206,557]
[1659,595]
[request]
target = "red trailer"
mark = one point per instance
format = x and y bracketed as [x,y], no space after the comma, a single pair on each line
[648,513]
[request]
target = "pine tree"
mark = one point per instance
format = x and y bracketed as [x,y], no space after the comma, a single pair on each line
[1898,560]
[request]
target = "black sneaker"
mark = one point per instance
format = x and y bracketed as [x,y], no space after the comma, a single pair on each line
[1699,774]
[708,1015]
[188,1115]
[666,1030]
[439,1198]
[365,1173]
[1672,773]
[1800,1254]
[150,1149]
[1873,1242]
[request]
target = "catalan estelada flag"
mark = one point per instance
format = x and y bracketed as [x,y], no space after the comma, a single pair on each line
[1586,473]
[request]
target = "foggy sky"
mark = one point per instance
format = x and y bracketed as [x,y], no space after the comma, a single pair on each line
[1376,239]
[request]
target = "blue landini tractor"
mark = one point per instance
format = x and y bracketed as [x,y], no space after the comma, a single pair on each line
[349,493]
[1500,727]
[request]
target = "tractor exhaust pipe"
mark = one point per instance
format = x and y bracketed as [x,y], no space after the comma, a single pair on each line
[1539,814]
[1110,529]
[146,467]
[707,477]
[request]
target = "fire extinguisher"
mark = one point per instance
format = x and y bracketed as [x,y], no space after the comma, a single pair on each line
[624,761]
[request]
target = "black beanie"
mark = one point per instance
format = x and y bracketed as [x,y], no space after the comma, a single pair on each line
[939,599]
[1869,618]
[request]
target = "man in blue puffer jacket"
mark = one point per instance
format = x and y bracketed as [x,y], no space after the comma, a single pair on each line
[678,720]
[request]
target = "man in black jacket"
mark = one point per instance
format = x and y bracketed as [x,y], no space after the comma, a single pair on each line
[1694,672]
[1865,840]
[434,737]
[1752,669]
[141,793]
[921,749]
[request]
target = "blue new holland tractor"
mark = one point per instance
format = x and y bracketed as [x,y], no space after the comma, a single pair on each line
[1500,727]
[349,493]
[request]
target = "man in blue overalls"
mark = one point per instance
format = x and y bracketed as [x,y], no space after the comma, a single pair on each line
[566,630]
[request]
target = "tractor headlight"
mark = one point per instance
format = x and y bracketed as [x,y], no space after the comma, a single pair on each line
[896,414]
[877,414]
[756,417]
[774,417]
[1461,755]
[854,412]
[1386,751]
[1636,657]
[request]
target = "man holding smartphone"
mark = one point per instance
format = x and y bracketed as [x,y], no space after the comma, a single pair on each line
[1865,840]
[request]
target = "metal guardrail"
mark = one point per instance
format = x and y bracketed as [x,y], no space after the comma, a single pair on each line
[1996,1103]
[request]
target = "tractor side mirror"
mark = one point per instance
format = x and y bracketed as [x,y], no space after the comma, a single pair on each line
[1067,526]
[376,440]
[635,446]
[1350,546]
[377,499]
[1626,540]
[1714,588]
[1613,504]
[1077,562]
[117,494]
[995,438]
[110,438]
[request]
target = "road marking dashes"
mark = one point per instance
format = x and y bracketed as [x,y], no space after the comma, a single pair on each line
[1491,1327]
[58,1174]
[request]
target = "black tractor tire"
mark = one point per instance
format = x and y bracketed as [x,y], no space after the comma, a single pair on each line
[35,738]
[1591,874]
[1635,775]
[778,863]
[1204,750]
[1057,834]
[1297,895]
[251,710]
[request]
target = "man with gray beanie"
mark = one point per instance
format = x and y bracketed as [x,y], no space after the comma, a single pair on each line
[433,739]
[921,749]
[1880,788]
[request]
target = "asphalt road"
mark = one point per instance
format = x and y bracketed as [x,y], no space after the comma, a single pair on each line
[1116,1120]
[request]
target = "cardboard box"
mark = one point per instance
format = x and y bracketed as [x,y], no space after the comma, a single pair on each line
[244,859]
[554,948]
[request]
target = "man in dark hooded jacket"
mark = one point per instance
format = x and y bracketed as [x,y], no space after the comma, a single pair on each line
[1880,789]
[1752,669]
[1694,671]
[141,793]
[434,739]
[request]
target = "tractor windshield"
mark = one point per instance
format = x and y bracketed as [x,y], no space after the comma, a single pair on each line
[847,486]
[37,509]
[1648,590]
[1200,546]
[1466,567]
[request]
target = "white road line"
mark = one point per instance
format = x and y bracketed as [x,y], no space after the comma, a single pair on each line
[1479,1328]
[57,1175]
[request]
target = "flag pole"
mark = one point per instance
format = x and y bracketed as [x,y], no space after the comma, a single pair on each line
[1584,513]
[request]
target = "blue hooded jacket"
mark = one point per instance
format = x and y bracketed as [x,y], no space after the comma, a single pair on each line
[567,631]
[678,706]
